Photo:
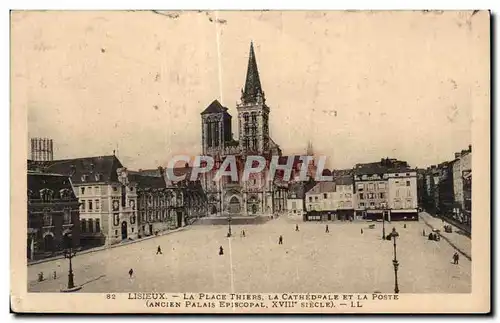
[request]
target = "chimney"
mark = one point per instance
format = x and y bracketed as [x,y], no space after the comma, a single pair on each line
[457,155]
[186,165]
[470,148]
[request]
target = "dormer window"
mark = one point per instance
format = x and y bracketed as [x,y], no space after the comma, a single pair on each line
[46,194]
[84,178]
[65,194]
[98,177]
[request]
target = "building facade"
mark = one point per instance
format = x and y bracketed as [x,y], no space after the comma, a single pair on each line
[379,190]
[320,202]
[107,198]
[53,212]
[462,165]
[295,201]
[402,194]
[229,197]
[344,198]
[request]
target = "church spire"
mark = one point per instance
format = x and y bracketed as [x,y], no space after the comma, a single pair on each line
[253,89]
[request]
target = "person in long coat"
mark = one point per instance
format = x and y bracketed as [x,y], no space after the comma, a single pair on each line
[221,251]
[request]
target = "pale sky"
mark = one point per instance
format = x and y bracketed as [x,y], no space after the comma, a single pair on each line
[359,85]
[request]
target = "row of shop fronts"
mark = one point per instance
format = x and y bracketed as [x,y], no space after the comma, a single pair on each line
[367,215]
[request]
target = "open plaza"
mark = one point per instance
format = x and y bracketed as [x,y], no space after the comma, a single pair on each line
[350,258]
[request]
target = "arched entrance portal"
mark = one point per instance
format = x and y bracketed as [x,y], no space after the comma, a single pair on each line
[234,205]
[124,230]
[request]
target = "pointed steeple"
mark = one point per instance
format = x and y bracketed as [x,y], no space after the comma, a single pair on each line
[253,89]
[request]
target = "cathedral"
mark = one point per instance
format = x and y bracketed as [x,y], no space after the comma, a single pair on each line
[257,196]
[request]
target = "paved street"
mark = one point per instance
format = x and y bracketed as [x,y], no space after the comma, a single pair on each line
[460,240]
[310,260]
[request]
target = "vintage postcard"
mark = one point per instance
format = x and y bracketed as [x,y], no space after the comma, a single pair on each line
[250,161]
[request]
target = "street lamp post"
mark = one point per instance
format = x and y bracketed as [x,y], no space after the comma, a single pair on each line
[69,253]
[395,262]
[229,226]
[383,224]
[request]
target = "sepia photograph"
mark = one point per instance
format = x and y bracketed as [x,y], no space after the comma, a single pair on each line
[250,161]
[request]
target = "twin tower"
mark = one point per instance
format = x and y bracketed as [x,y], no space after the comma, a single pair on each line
[253,121]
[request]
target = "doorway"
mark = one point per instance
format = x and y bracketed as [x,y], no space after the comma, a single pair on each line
[234,205]
[124,230]
[179,219]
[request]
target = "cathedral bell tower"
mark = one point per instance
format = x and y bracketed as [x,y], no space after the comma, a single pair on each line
[216,129]
[253,113]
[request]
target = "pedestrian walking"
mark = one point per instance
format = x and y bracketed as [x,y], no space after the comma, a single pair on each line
[326,229]
[280,240]
[221,251]
[158,250]
[296,227]
[361,231]
[130,272]
[455,258]
[243,233]
[423,232]
[404,226]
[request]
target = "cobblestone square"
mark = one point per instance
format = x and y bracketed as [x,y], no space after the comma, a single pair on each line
[311,260]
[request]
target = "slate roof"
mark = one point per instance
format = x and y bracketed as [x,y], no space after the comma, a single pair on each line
[149,172]
[55,182]
[344,180]
[215,107]
[369,169]
[96,169]
[322,187]
[146,181]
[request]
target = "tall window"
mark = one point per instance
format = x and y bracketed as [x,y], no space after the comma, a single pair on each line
[360,187]
[124,194]
[209,133]
[254,118]
[217,134]
[82,190]
[97,205]
[67,216]
[407,183]
[381,186]
[371,187]
[82,206]
[91,225]
[97,225]
[310,199]
[90,205]
[83,224]
[325,195]
[361,196]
